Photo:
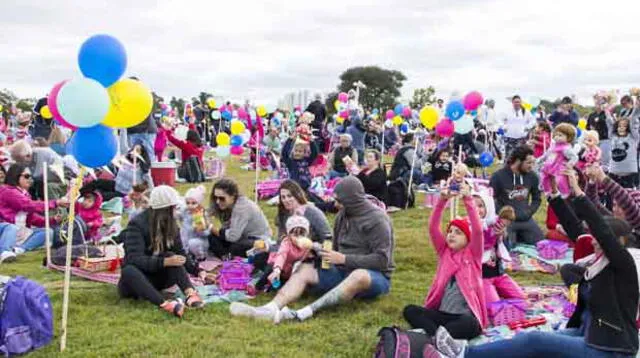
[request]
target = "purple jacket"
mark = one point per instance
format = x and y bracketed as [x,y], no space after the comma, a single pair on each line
[15,200]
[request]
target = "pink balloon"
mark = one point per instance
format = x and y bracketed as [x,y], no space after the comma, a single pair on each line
[344,114]
[163,106]
[472,101]
[445,128]
[406,112]
[52,102]
[242,113]
[237,150]
[390,114]
[343,97]
[298,108]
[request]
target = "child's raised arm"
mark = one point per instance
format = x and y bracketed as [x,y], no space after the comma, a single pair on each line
[437,238]
[477,236]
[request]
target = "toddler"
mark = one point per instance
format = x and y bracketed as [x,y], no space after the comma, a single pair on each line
[194,227]
[88,208]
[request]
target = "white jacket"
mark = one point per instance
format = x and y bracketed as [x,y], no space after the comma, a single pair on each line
[489,119]
[516,124]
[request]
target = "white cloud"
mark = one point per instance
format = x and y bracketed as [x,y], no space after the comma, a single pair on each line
[264,49]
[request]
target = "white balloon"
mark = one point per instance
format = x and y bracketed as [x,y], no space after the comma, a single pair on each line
[181,132]
[216,114]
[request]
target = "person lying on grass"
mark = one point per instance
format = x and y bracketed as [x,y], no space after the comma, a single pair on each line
[456,299]
[360,264]
[604,321]
[154,257]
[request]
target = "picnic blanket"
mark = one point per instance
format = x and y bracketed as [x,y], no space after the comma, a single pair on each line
[547,301]
[209,293]
[526,258]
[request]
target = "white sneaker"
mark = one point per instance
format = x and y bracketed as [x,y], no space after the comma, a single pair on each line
[264,312]
[286,314]
[448,346]
[7,256]
[18,251]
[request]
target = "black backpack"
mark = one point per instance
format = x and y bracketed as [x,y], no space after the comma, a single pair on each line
[191,171]
[60,233]
[398,194]
[398,343]
[400,164]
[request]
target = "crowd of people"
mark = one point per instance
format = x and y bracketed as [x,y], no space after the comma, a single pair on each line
[589,176]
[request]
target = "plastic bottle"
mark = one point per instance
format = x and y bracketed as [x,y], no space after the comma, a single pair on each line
[327,245]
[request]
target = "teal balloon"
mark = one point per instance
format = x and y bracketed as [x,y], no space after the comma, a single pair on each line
[95,146]
[83,102]
[464,125]
[223,151]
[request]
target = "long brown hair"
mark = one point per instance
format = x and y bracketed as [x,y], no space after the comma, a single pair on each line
[162,229]
[297,192]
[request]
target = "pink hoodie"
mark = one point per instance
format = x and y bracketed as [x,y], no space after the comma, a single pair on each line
[465,264]
[15,200]
[92,216]
[288,253]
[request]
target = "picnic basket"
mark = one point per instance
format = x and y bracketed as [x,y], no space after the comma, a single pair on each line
[506,311]
[109,262]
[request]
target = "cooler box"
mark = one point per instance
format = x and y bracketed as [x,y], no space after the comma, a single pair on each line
[163,173]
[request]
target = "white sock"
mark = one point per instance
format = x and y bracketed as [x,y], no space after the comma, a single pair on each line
[304,313]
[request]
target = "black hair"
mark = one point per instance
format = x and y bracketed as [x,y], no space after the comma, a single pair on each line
[520,153]
[194,137]
[408,138]
[515,97]
[566,100]
[145,165]
[442,151]
[626,98]
[620,227]
[231,188]
[14,173]
[544,126]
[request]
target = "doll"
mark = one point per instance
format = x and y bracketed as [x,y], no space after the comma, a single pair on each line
[556,159]
[590,152]
[460,171]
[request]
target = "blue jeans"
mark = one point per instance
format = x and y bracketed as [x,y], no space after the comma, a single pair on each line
[8,233]
[540,344]
[328,279]
[146,140]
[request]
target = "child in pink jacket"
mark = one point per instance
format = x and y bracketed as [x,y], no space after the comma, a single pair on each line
[497,284]
[294,247]
[89,210]
[456,298]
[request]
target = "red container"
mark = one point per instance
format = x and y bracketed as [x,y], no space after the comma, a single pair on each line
[163,173]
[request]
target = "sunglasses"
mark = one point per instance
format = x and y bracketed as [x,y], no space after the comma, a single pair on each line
[221,199]
[26,176]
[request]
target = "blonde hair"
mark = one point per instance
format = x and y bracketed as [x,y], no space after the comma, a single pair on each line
[20,150]
[57,136]
[592,134]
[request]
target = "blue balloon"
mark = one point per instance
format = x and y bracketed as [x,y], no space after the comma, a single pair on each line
[102,58]
[398,109]
[579,133]
[95,146]
[500,131]
[227,115]
[455,110]
[275,121]
[486,159]
[375,111]
[236,140]
[404,128]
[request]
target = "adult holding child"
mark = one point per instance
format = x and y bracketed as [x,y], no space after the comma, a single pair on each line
[155,258]
[359,265]
[242,221]
[293,202]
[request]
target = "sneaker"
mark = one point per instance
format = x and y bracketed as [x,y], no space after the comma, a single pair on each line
[446,345]
[287,314]
[393,209]
[7,256]
[263,312]
[175,307]
[18,251]
[194,300]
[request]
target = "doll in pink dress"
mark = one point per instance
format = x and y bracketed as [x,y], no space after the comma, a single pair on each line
[555,160]
[590,152]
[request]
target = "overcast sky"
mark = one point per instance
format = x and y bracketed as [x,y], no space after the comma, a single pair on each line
[263,49]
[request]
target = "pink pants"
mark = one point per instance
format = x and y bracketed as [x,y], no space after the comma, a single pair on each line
[501,287]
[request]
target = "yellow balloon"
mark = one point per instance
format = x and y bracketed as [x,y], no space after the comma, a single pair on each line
[1,108]
[429,117]
[339,120]
[131,103]
[45,112]
[582,124]
[336,104]
[211,103]
[223,139]
[237,127]
[397,120]
[527,106]
[261,111]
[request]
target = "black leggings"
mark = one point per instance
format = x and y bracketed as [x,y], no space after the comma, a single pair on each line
[221,248]
[136,284]
[571,274]
[460,326]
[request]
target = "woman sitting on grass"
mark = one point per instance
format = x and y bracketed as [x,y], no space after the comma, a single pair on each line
[154,257]
[604,322]
[294,202]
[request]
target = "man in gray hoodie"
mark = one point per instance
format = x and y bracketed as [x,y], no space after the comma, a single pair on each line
[518,186]
[361,262]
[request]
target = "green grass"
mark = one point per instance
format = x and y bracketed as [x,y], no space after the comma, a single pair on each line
[102,325]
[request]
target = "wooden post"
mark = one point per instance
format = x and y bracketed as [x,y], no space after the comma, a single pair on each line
[413,164]
[73,196]
[45,179]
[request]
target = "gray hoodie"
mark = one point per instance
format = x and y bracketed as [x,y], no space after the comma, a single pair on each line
[362,231]
[246,224]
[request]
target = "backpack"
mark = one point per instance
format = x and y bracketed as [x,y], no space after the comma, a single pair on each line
[400,164]
[191,170]
[60,233]
[398,343]
[26,321]
[398,194]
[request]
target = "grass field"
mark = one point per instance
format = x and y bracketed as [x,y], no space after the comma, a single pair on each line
[102,325]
